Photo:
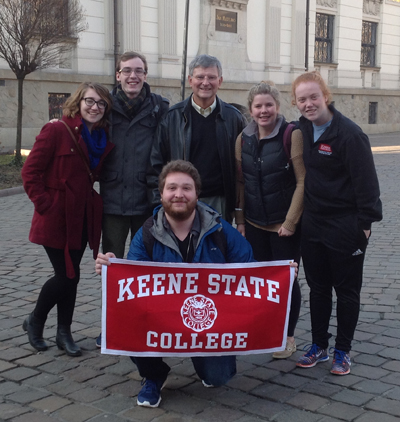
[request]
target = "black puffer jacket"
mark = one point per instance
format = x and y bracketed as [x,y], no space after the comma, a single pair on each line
[268,176]
[173,142]
[123,180]
[340,172]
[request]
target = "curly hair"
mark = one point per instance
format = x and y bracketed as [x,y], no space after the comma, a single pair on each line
[72,105]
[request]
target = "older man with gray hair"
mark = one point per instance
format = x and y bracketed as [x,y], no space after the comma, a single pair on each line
[201,129]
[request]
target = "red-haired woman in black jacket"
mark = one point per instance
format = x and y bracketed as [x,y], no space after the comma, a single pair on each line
[341,201]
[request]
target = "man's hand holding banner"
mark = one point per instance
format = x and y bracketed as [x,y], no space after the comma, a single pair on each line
[162,309]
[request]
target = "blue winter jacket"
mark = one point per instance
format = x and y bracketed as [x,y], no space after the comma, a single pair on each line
[165,248]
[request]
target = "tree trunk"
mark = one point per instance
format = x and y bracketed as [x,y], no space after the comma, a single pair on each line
[18,157]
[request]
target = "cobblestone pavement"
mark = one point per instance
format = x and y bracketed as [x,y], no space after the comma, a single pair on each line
[50,386]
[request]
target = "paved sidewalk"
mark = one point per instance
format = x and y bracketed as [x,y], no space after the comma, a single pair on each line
[51,386]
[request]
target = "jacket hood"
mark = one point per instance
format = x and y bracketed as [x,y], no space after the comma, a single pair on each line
[252,128]
[209,221]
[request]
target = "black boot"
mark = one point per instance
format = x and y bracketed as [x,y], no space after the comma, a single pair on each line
[65,341]
[35,327]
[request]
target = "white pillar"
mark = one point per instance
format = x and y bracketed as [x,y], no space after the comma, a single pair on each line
[273,37]
[131,18]
[167,38]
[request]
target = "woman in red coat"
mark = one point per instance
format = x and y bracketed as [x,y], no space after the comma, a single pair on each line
[58,177]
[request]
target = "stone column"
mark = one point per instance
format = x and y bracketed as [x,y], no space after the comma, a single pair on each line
[167,38]
[298,38]
[348,45]
[130,39]
[273,67]
[109,37]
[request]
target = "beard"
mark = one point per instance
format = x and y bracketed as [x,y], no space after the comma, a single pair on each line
[181,214]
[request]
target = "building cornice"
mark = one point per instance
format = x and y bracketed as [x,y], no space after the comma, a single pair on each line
[327,3]
[372,7]
[227,4]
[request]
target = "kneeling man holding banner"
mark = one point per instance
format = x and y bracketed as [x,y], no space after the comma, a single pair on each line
[210,310]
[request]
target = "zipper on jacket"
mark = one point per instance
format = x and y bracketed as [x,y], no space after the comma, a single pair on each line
[188,248]
[184,138]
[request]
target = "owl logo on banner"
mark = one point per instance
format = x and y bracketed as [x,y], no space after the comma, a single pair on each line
[199,313]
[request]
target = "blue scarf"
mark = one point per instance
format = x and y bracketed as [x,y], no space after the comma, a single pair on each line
[95,142]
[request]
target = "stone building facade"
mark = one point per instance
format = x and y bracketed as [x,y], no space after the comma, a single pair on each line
[354,44]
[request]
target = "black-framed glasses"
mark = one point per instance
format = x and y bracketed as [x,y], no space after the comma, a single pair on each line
[127,71]
[90,102]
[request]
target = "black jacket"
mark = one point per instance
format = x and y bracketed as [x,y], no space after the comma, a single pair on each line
[340,172]
[123,180]
[173,141]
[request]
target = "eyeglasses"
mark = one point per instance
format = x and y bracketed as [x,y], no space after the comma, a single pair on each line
[209,78]
[127,71]
[90,102]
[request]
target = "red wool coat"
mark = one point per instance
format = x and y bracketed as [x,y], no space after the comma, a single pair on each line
[57,182]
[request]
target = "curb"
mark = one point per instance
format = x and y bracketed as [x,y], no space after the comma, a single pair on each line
[11,191]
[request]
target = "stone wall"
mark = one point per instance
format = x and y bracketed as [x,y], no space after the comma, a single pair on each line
[36,88]
[353,103]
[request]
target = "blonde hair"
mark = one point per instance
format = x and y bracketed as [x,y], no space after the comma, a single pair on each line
[313,76]
[72,105]
[264,87]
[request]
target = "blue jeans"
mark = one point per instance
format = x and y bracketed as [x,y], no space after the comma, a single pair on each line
[214,370]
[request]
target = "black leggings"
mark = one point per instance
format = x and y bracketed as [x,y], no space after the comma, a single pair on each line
[333,251]
[60,290]
[269,246]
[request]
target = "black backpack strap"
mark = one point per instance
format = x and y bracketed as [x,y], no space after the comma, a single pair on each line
[220,241]
[287,140]
[218,237]
[148,239]
[161,105]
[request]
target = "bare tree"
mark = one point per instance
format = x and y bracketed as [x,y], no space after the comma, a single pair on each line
[36,34]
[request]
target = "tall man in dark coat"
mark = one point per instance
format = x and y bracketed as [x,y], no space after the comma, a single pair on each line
[135,115]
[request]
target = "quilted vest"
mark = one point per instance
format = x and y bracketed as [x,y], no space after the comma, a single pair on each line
[269,179]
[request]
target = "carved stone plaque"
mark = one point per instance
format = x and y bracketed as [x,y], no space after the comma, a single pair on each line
[226,21]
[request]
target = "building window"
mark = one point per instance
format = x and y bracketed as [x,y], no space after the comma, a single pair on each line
[64,21]
[368,43]
[372,113]
[56,19]
[56,102]
[323,38]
